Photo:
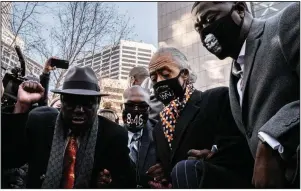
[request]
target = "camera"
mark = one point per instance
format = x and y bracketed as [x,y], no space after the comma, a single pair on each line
[12,80]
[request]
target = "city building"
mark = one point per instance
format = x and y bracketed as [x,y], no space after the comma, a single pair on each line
[6,10]
[115,62]
[114,87]
[9,59]
[175,28]
[6,33]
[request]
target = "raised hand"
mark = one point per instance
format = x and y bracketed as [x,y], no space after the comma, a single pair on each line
[29,92]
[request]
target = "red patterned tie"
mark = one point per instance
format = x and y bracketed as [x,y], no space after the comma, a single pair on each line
[69,163]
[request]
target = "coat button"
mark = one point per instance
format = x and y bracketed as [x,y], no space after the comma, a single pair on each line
[249,134]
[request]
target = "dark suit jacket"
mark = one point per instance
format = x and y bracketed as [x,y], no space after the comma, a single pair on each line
[33,145]
[206,120]
[147,155]
[271,81]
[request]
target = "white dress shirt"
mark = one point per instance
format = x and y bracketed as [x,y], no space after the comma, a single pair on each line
[270,140]
[130,135]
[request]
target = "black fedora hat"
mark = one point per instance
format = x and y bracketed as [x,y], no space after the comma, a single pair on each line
[80,81]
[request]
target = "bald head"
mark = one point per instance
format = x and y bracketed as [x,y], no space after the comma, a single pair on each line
[136,94]
[138,74]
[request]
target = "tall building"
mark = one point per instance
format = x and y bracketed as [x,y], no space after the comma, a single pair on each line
[115,62]
[175,28]
[7,35]
[6,12]
[9,59]
[115,88]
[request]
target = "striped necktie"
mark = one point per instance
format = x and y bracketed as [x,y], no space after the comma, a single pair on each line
[134,147]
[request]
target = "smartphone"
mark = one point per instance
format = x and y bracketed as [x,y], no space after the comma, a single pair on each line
[64,64]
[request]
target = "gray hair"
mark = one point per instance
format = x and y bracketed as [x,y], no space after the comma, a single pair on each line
[180,59]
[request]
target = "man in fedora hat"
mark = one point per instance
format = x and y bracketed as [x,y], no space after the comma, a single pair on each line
[74,147]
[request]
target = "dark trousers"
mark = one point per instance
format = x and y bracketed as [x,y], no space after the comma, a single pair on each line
[201,174]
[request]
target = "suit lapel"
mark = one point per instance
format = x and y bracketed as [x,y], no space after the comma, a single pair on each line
[186,117]
[252,45]
[143,150]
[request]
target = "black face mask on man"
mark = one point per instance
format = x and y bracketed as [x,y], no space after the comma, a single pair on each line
[221,37]
[168,90]
[135,116]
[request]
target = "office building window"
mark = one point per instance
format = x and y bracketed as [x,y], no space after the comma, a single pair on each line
[128,52]
[129,48]
[115,65]
[125,73]
[141,58]
[129,65]
[115,69]
[145,63]
[142,54]
[127,56]
[107,51]
[131,61]
[124,78]
[144,50]
[114,61]
[126,69]
[114,57]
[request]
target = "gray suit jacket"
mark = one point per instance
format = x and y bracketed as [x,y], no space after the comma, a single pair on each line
[271,86]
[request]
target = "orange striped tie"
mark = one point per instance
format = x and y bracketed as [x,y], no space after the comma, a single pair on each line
[69,163]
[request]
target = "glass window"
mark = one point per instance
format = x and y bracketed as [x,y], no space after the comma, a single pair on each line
[126,60]
[114,61]
[107,51]
[126,69]
[115,69]
[141,58]
[129,48]
[114,57]
[129,65]
[127,56]
[144,50]
[142,54]
[128,52]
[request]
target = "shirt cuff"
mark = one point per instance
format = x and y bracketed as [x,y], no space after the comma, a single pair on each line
[272,142]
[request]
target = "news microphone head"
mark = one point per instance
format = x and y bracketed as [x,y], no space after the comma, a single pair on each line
[21,59]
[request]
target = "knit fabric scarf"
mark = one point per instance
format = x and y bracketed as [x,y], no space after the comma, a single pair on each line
[172,112]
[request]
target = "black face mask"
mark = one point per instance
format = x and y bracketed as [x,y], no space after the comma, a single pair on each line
[134,121]
[222,36]
[168,90]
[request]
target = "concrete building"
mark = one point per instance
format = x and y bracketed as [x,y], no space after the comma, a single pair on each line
[9,59]
[6,11]
[114,87]
[175,28]
[6,33]
[115,62]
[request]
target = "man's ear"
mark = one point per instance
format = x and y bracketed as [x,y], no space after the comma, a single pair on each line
[185,74]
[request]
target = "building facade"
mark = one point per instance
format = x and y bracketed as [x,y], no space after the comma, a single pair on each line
[9,59]
[114,87]
[115,62]
[6,11]
[175,28]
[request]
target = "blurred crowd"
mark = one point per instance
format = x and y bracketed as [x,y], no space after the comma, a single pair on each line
[173,135]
